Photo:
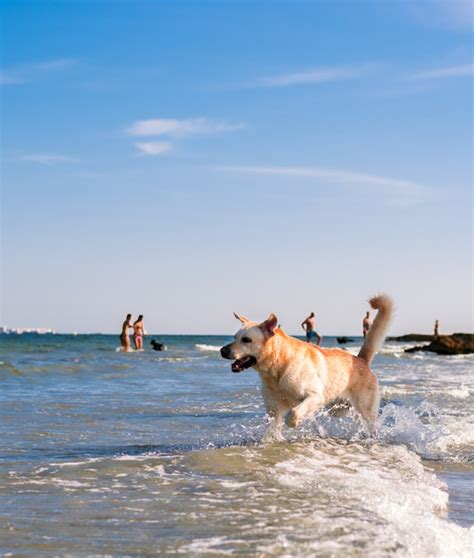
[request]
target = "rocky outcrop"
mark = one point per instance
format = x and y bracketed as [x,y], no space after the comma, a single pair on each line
[456,344]
[342,340]
[412,337]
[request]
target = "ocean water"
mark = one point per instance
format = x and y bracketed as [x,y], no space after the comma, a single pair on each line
[158,454]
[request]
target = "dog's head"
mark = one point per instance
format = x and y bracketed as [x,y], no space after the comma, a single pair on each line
[249,342]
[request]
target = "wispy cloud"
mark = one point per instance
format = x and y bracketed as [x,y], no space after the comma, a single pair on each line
[48,159]
[181,128]
[449,14]
[447,72]
[154,147]
[403,191]
[29,72]
[9,79]
[170,128]
[313,76]
[58,64]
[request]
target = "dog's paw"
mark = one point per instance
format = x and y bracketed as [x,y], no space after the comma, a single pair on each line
[273,436]
[292,420]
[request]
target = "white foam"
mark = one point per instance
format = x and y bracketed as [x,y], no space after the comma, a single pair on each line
[141,457]
[203,347]
[458,432]
[462,392]
[177,359]
[402,425]
[211,545]
[234,485]
[432,438]
[391,485]
[76,463]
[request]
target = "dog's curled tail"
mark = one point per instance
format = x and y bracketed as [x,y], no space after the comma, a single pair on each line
[376,334]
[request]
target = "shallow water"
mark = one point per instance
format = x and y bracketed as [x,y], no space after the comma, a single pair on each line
[105,453]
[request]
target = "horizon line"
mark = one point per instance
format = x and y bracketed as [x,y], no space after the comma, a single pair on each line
[27,331]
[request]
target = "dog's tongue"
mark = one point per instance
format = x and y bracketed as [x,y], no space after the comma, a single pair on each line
[237,366]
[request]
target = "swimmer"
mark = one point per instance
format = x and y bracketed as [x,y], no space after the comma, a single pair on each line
[366,323]
[124,337]
[308,326]
[138,333]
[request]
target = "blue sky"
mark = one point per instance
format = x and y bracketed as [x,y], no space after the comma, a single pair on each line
[187,159]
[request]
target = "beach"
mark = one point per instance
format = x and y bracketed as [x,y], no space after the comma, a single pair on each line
[158,454]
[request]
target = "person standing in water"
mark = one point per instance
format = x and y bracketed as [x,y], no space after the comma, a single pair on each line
[436,329]
[138,333]
[366,323]
[308,326]
[124,337]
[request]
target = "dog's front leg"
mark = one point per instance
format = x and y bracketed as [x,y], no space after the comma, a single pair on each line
[307,407]
[274,431]
[276,411]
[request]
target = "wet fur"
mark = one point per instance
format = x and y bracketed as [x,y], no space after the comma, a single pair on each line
[299,378]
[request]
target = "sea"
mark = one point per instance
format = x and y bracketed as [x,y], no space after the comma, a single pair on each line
[104,453]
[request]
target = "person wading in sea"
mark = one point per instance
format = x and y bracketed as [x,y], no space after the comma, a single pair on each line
[308,326]
[366,323]
[124,338]
[138,333]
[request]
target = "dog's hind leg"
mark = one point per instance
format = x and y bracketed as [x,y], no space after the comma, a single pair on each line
[306,408]
[366,401]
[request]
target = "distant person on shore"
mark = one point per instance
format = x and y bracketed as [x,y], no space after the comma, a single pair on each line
[138,333]
[124,337]
[157,346]
[366,323]
[308,326]
[436,329]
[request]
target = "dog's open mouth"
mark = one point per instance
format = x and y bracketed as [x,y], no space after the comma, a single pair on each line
[243,363]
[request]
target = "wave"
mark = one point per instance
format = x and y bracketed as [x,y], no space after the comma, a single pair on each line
[10,368]
[385,481]
[210,348]
[423,428]
[177,359]
[336,498]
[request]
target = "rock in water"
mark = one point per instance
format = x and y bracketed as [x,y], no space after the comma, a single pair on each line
[456,344]
[412,337]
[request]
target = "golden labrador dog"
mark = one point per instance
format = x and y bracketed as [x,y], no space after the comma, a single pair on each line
[303,378]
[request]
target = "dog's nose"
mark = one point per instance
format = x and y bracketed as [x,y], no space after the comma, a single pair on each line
[225,351]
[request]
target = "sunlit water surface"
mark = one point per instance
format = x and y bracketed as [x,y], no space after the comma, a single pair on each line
[159,454]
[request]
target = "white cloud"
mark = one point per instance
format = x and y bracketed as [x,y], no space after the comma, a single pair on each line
[180,128]
[172,128]
[48,159]
[154,147]
[406,192]
[452,71]
[320,75]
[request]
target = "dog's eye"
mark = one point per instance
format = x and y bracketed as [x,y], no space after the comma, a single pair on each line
[246,340]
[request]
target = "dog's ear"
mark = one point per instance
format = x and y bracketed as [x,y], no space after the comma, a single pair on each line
[269,325]
[242,319]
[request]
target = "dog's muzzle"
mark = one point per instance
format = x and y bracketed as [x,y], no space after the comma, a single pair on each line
[239,364]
